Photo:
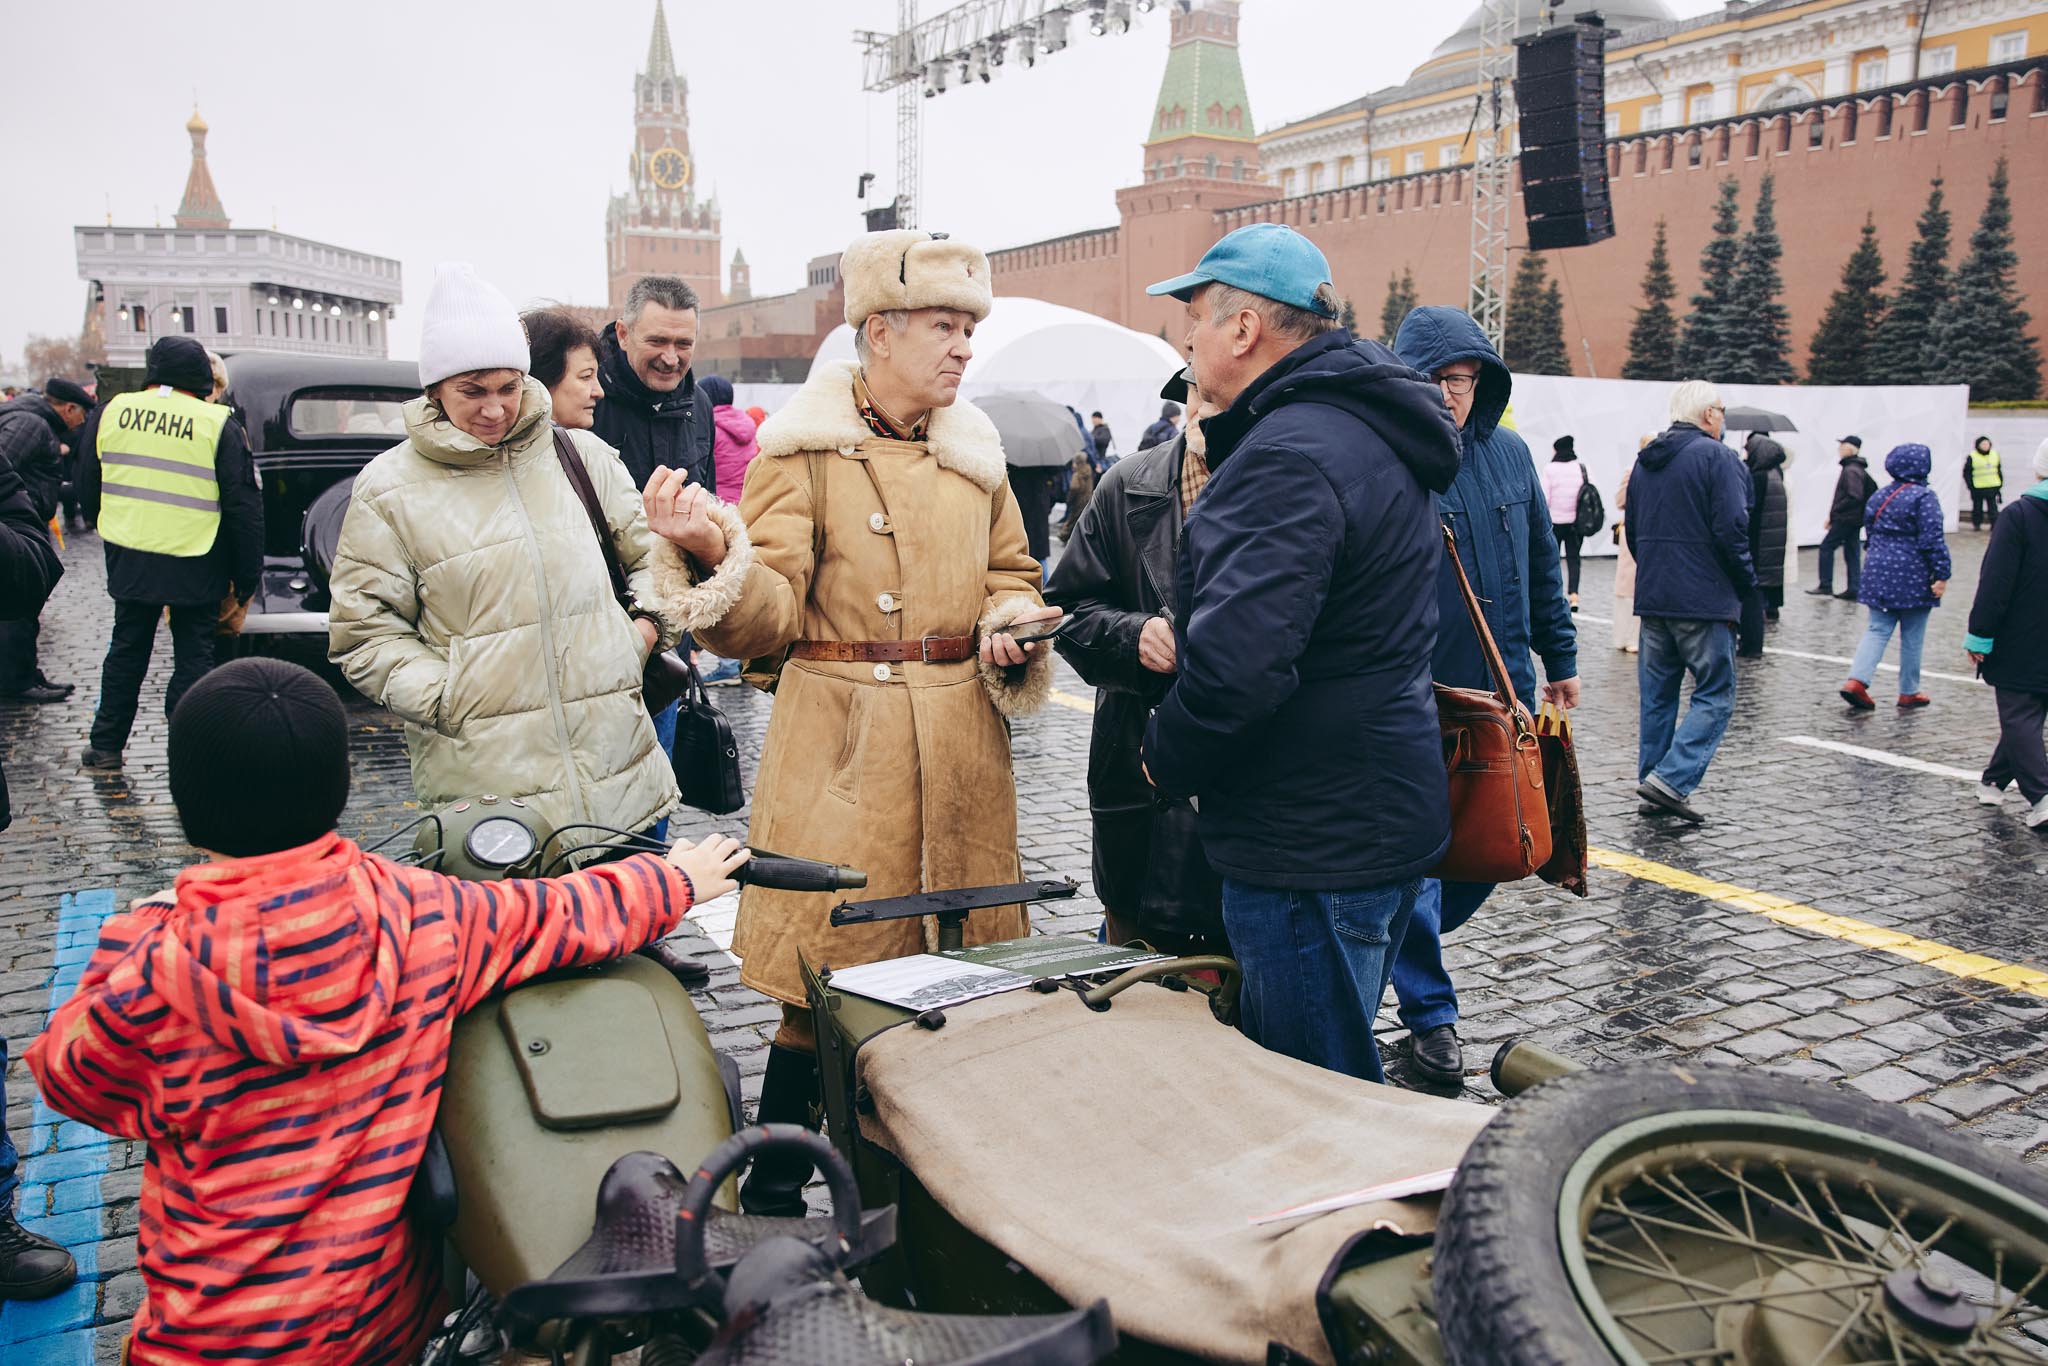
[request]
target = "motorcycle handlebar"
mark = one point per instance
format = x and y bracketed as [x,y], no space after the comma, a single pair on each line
[788,874]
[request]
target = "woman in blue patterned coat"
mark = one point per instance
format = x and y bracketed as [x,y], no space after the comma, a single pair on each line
[1905,572]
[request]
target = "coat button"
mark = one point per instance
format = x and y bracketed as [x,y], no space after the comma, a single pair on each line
[886,601]
[881,673]
[877,522]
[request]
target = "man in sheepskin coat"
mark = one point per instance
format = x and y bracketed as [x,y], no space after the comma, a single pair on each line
[877,539]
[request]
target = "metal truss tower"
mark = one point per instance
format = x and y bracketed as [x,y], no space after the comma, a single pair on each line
[1492,171]
[909,133]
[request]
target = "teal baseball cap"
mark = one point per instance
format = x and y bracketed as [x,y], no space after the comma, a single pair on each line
[1270,260]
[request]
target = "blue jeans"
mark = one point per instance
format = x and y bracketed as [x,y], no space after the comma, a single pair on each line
[1850,540]
[1912,628]
[1678,752]
[1421,986]
[8,1179]
[665,731]
[1315,967]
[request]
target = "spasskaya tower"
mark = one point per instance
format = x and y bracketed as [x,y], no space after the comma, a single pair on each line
[659,226]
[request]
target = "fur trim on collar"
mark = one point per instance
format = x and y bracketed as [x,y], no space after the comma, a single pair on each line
[823,417]
[694,605]
[1020,690]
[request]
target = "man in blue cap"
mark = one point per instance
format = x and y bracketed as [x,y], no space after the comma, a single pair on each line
[1302,720]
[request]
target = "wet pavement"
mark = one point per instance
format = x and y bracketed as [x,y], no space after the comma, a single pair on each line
[1883,870]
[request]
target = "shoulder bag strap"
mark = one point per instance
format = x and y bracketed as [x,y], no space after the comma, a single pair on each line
[1495,665]
[1897,489]
[579,480]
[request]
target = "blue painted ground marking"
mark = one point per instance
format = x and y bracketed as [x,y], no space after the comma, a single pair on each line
[62,1161]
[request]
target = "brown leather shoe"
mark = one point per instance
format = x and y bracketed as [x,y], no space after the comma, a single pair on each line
[1909,701]
[1858,696]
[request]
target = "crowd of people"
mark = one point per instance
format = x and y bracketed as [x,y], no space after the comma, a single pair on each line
[1266,594]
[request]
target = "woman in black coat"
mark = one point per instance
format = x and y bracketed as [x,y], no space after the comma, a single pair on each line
[2009,640]
[1767,519]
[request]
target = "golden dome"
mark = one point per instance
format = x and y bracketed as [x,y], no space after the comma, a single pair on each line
[195,124]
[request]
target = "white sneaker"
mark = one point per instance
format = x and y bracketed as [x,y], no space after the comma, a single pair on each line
[1989,795]
[2037,815]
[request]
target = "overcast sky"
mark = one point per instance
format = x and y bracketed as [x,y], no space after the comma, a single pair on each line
[494,133]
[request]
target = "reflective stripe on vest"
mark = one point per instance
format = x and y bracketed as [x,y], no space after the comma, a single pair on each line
[157,486]
[1985,472]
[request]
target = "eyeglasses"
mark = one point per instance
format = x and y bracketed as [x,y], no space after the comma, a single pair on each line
[1457,384]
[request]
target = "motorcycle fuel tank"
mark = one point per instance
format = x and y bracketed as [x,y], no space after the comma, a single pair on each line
[551,1083]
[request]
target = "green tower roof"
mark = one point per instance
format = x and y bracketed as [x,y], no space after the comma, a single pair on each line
[1202,93]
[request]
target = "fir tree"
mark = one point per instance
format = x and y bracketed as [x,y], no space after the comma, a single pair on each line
[1902,352]
[1840,352]
[1401,301]
[1347,318]
[1705,347]
[1981,330]
[1653,341]
[1760,328]
[1533,339]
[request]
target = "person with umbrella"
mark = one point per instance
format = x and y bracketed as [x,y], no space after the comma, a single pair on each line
[1038,440]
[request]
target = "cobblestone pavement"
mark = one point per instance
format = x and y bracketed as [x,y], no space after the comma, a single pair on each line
[1656,963]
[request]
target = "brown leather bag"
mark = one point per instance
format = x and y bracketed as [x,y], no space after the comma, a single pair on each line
[1500,815]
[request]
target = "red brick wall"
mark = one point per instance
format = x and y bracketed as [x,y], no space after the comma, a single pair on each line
[1420,222]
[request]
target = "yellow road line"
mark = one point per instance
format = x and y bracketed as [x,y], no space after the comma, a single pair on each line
[1941,957]
[1928,952]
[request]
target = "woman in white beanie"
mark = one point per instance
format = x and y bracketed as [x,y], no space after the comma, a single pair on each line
[471,596]
[2008,638]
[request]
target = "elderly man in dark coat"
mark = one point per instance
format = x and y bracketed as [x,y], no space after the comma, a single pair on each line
[36,431]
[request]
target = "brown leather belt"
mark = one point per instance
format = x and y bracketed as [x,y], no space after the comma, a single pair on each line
[930,650]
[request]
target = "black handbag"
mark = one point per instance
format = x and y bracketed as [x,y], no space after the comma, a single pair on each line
[707,757]
[665,677]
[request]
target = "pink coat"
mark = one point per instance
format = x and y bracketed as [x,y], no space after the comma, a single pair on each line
[1561,480]
[733,448]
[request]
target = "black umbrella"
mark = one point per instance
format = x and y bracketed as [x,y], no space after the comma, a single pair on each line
[1758,420]
[1036,432]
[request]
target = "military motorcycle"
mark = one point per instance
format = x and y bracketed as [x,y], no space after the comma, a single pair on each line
[572,1107]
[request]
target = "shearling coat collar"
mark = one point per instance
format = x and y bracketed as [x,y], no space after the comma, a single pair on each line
[824,417]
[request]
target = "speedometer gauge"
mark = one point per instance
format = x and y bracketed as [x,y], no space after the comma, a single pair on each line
[500,842]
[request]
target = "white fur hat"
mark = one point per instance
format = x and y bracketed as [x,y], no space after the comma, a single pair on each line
[909,269]
[468,325]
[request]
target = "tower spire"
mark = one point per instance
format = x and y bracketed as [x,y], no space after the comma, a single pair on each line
[1202,120]
[661,58]
[201,206]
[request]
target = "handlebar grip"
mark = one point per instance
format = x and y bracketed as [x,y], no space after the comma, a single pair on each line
[797,874]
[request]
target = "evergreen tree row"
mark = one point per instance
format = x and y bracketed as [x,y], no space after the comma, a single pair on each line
[1961,325]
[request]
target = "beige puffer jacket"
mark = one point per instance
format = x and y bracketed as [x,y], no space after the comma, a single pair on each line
[471,598]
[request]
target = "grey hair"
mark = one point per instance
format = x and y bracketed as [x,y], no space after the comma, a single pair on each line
[1283,320]
[897,320]
[1691,401]
[670,291]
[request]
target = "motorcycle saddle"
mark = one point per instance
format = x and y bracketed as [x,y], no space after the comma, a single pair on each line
[786,1305]
[627,1266]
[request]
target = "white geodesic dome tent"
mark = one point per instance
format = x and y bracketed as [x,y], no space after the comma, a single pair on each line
[1064,354]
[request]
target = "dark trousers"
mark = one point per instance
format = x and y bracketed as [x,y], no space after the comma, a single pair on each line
[1571,541]
[1849,540]
[1983,505]
[2020,756]
[1749,632]
[18,668]
[192,633]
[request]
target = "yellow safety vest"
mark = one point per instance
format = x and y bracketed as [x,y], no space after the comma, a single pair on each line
[157,485]
[1985,472]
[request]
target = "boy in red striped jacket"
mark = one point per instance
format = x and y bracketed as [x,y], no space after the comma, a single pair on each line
[276,1027]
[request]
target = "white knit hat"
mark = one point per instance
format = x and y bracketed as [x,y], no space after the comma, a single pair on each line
[468,326]
[2041,461]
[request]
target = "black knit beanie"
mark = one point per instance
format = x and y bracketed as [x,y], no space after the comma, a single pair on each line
[259,758]
[181,363]
[1561,449]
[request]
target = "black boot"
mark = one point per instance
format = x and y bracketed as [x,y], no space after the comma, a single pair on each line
[31,1267]
[774,1184]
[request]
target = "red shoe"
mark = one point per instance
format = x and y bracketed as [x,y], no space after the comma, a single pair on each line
[1908,701]
[1857,696]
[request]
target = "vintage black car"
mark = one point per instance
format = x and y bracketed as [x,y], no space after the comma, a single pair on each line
[313,423]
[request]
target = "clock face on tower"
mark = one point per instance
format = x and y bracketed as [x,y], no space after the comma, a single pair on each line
[671,169]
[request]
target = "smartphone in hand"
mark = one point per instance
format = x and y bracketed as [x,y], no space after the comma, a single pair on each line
[1035,631]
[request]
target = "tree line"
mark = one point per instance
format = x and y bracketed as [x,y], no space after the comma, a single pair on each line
[1947,324]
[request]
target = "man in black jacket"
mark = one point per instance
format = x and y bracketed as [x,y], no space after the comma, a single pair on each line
[2008,639]
[1116,584]
[652,409]
[169,480]
[1301,718]
[35,431]
[1853,487]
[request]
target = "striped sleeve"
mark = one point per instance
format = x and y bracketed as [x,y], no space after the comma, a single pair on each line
[93,1060]
[511,931]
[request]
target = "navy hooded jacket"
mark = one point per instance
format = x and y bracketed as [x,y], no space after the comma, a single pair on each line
[1496,509]
[1302,715]
[1688,527]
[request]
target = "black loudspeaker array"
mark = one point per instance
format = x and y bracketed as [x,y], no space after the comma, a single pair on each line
[1561,96]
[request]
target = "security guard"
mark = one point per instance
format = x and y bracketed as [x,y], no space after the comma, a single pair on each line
[169,479]
[1984,476]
